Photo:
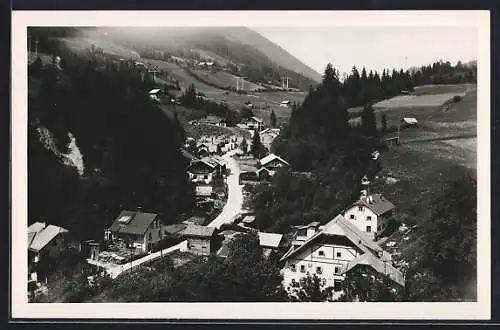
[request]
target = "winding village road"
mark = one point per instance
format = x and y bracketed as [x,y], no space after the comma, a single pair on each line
[235,193]
[228,214]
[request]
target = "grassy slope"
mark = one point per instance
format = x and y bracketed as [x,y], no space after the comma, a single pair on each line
[422,169]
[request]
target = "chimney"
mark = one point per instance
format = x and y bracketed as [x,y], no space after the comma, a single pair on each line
[139,208]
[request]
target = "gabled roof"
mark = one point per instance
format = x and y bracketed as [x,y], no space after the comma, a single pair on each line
[198,231]
[133,222]
[154,91]
[269,158]
[270,240]
[378,265]
[339,226]
[201,161]
[274,131]
[40,235]
[379,205]
[257,119]
[262,169]
[409,120]
[215,161]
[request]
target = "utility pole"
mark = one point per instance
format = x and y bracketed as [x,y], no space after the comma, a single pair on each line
[399,126]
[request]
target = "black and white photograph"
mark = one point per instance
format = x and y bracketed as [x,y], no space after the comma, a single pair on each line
[240,160]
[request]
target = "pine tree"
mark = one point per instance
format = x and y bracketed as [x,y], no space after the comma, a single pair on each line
[257,149]
[273,119]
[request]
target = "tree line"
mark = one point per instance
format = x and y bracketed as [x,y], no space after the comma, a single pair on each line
[362,88]
[131,150]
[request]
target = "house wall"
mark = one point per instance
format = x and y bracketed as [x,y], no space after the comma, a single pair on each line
[153,235]
[358,215]
[205,178]
[200,246]
[332,263]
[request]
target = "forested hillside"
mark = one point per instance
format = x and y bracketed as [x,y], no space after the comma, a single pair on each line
[130,149]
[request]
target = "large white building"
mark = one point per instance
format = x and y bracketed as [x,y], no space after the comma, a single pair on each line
[330,251]
[370,214]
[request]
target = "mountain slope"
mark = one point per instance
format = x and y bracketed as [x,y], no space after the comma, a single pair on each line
[236,44]
[271,50]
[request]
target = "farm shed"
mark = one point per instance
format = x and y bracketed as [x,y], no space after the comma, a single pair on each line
[409,121]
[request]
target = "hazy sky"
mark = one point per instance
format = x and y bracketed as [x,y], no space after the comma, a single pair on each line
[374,47]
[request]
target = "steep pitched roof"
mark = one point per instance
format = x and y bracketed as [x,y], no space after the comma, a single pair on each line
[379,205]
[272,131]
[378,265]
[201,161]
[131,222]
[269,158]
[341,227]
[198,231]
[40,235]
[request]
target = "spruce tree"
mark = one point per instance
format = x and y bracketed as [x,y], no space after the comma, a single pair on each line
[256,149]
[273,119]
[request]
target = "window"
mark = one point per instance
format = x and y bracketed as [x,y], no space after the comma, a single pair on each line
[293,268]
[360,208]
[337,270]
[368,229]
[302,268]
[339,254]
[205,177]
[369,218]
[321,253]
[150,236]
[352,217]
[318,270]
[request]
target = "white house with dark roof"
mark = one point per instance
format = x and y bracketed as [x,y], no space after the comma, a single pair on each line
[255,123]
[136,230]
[370,214]
[332,250]
[201,171]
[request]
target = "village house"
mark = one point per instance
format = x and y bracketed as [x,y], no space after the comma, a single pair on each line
[370,214]
[409,122]
[331,251]
[273,163]
[254,123]
[45,242]
[212,120]
[267,137]
[285,104]
[200,239]
[270,243]
[206,149]
[135,230]
[155,94]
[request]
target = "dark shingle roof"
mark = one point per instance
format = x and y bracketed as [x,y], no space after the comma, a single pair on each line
[198,231]
[379,205]
[131,222]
